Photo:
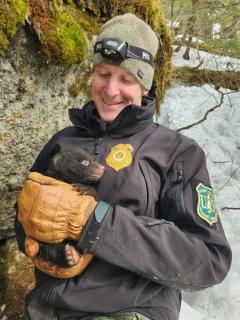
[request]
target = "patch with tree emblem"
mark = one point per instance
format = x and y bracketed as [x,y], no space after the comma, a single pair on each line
[206,208]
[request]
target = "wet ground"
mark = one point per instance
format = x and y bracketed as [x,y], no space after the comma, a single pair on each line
[16,279]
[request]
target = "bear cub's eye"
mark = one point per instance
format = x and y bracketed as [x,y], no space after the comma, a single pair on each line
[85,163]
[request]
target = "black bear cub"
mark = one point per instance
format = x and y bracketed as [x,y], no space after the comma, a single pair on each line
[74,166]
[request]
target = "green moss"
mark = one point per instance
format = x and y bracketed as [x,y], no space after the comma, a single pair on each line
[88,23]
[63,39]
[81,83]
[3,42]
[12,16]
[67,39]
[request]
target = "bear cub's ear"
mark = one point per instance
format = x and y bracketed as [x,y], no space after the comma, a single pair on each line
[55,150]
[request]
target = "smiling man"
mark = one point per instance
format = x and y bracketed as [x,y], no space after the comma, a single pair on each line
[123,67]
[114,88]
[155,230]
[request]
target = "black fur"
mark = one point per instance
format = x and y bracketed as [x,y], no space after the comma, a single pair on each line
[77,167]
[70,165]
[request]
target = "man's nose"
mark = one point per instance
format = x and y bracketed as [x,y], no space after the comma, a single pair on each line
[112,87]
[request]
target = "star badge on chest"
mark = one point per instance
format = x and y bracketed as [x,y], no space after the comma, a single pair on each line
[120,156]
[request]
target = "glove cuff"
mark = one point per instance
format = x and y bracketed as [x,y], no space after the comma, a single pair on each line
[93,227]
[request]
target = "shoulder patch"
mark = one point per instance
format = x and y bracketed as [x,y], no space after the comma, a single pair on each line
[206,208]
[120,156]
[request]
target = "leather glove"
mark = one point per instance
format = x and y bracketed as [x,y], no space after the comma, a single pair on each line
[54,252]
[32,249]
[51,210]
[56,271]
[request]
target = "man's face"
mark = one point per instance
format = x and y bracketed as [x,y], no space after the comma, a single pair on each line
[113,89]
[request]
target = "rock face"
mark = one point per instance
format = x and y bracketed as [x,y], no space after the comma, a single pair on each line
[34,101]
[16,280]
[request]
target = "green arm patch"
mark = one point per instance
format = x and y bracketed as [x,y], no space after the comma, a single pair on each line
[206,208]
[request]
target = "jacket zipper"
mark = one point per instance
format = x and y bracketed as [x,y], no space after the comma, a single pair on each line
[96,149]
[180,198]
[147,185]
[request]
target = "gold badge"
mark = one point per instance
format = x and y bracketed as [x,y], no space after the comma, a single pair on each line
[120,156]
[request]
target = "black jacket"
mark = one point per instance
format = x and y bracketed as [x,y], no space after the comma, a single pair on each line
[155,239]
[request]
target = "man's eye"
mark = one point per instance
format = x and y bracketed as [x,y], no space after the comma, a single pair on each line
[85,163]
[104,75]
[128,81]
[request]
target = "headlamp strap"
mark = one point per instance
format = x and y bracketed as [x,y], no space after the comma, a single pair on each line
[122,51]
[140,54]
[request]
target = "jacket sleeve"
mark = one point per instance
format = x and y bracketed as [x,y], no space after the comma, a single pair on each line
[184,248]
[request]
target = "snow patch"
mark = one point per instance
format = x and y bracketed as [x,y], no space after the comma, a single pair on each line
[210,62]
[219,136]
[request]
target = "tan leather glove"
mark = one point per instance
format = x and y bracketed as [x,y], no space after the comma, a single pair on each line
[51,210]
[63,272]
[32,249]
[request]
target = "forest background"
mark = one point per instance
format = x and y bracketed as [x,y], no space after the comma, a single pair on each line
[211,25]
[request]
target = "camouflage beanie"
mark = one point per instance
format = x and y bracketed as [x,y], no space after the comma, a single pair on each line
[128,28]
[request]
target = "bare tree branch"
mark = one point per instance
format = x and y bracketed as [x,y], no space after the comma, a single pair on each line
[229,208]
[205,116]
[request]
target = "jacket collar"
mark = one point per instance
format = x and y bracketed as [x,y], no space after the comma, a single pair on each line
[130,120]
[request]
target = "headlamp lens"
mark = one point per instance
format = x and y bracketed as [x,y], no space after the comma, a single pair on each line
[111,53]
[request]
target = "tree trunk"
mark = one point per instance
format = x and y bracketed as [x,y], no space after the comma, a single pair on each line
[190,29]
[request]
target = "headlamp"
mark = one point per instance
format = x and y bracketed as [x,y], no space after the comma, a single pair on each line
[115,49]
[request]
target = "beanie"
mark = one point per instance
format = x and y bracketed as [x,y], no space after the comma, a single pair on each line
[128,28]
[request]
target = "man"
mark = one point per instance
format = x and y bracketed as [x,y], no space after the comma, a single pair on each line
[155,230]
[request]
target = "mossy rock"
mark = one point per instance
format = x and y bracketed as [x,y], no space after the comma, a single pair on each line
[64,28]
[12,16]
[62,38]
[81,83]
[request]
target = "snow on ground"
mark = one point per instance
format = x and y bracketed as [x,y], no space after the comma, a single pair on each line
[211,62]
[219,136]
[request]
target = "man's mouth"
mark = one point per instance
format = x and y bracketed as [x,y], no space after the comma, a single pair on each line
[110,103]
